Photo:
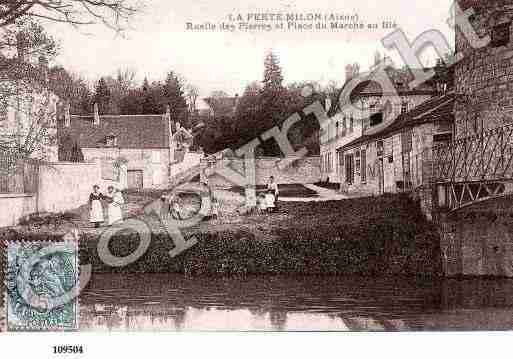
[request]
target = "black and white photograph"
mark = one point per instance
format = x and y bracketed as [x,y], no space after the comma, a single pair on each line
[327,167]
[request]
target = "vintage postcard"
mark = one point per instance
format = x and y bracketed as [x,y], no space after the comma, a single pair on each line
[341,166]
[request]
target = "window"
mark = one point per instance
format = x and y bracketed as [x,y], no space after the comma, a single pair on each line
[336,125]
[344,126]
[376,119]
[363,155]
[111,141]
[351,124]
[404,107]
[155,157]
[349,169]
[501,34]
[357,162]
[379,148]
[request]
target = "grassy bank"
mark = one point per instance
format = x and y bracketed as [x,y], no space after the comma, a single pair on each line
[372,236]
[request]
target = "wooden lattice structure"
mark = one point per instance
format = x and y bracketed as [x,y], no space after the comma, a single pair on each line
[474,168]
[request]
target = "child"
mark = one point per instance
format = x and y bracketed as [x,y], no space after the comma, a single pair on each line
[270,199]
[95,207]
[261,204]
[215,208]
[165,208]
[176,208]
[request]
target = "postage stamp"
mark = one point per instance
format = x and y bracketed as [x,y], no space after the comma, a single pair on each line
[41,286]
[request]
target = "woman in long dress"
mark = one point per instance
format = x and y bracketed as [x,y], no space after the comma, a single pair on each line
[114,209]
[95,207]
[273,188]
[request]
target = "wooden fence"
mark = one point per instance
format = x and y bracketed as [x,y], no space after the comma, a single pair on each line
[18,175]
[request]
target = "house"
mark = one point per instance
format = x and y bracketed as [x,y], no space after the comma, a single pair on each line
[397,158]
[375,106]
[150,145]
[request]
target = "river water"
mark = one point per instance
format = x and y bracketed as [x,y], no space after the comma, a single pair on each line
[153,302]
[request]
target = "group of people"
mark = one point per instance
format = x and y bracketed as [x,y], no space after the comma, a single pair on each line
[170,207]
[267,201]
[113,198]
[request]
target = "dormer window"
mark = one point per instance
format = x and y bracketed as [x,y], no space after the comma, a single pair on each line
[376,119]
[404,107]
[111,141]
[501,34]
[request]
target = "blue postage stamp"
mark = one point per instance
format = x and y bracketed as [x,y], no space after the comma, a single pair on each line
[42,285]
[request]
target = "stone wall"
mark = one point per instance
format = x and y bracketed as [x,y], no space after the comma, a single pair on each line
[484,77]
[15,206]
[154,163]
[301,170]
[65,186]
[477,243]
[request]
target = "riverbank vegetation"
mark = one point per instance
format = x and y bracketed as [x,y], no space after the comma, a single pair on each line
[369,236]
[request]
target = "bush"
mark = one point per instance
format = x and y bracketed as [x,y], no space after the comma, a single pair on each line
[398,242]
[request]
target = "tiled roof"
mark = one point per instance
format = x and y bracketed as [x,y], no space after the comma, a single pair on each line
[400,78]
[131,131]
[440,108]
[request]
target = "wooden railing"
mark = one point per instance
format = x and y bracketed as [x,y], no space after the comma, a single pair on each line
[484,157]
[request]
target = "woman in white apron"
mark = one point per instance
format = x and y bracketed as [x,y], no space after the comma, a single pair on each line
[95,207]
[115,210]
[273,188]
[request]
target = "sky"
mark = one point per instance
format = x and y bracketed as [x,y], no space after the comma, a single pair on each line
[223,60]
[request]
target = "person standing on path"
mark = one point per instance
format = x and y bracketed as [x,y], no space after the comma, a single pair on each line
[272,186]
[95,207]
[115,210]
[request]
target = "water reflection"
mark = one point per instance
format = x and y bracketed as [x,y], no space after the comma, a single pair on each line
[173,302]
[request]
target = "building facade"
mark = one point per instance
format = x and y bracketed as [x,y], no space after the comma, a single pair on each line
[149,145]
[375,106]
[397,158]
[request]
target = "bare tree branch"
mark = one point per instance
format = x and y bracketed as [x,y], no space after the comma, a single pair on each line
[115,14]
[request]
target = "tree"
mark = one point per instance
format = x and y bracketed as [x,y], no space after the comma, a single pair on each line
[69,150]
[273,78]
[192,94]
[151,95]
[114,14]
[102,96]
[71,88]
[220,103]
[25,100]
[27,40]
[32,133]
[173,95]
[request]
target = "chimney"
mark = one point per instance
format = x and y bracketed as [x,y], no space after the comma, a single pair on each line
[67,115]
[96,121]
